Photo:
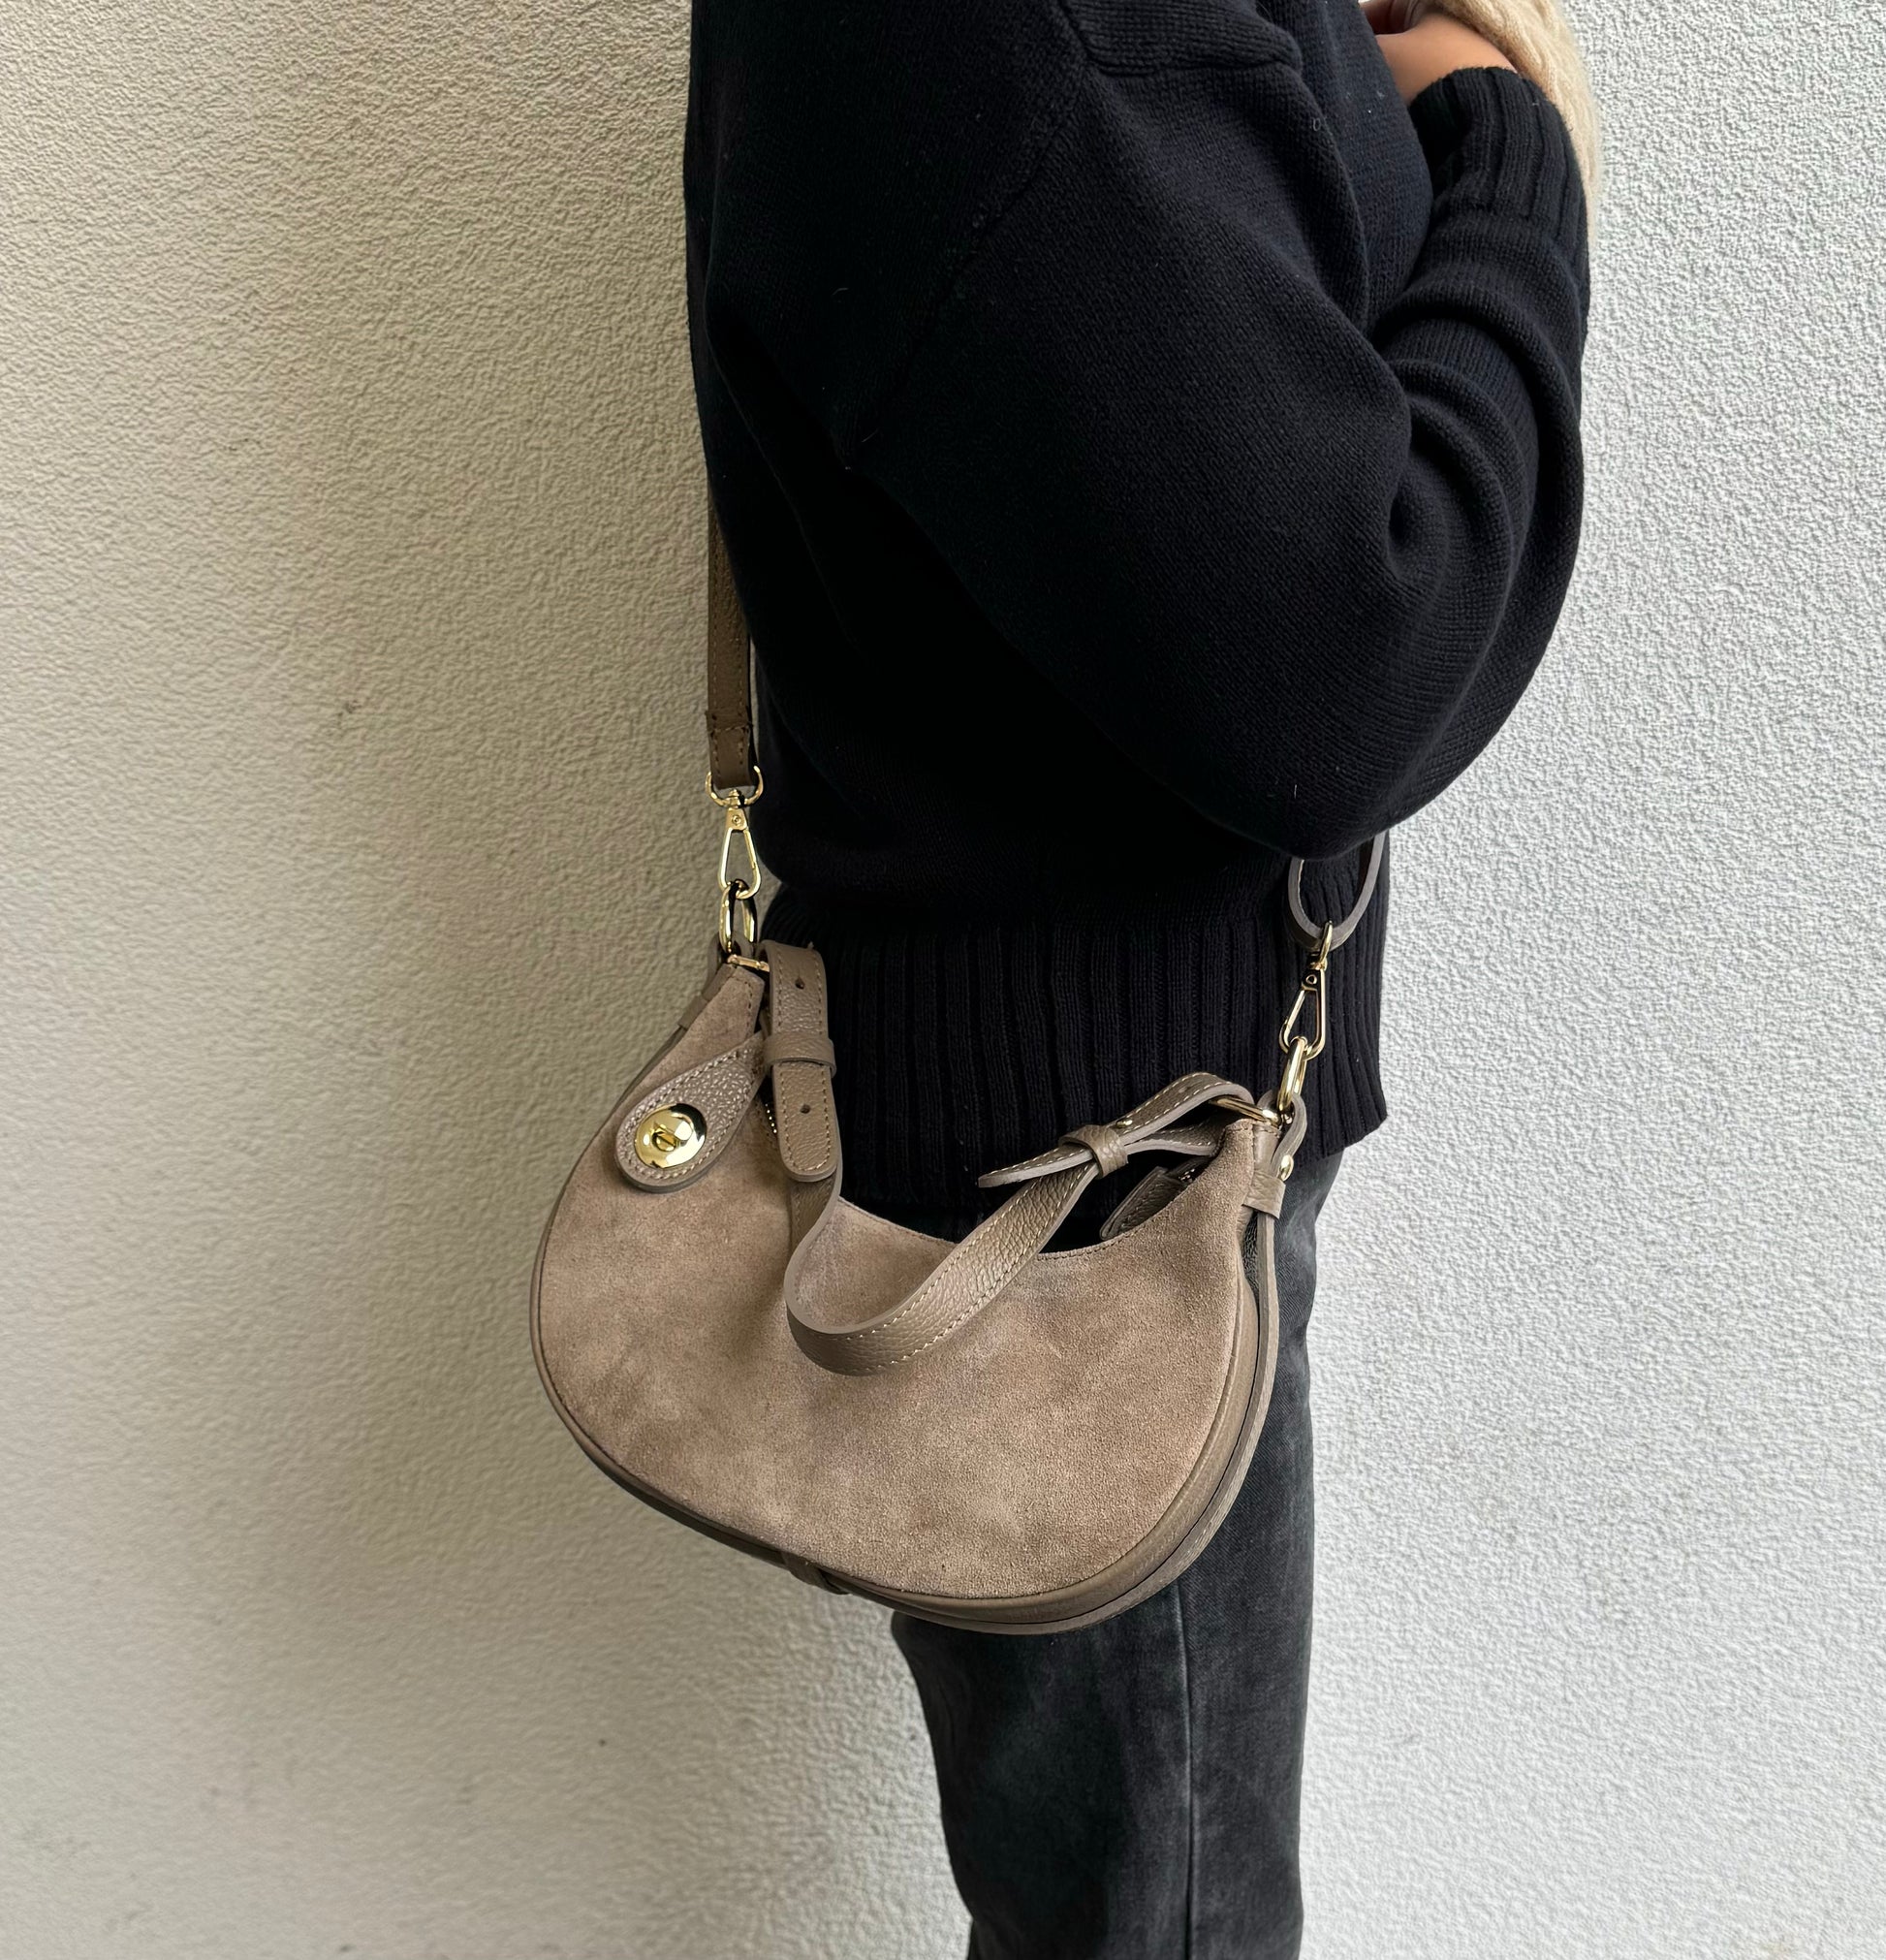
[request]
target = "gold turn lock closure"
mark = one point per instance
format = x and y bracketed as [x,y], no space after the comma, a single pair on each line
[667,1137]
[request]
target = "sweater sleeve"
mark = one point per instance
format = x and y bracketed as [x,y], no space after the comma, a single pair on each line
[1297,564]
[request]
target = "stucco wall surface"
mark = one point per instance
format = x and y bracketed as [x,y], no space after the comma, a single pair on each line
[350,852]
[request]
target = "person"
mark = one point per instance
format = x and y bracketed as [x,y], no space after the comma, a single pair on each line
[1146,436]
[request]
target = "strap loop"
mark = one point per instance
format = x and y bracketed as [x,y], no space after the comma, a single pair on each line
[797,1044]
[1103,1142]
[1310,932]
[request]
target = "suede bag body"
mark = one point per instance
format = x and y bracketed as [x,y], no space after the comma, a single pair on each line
[982,1434]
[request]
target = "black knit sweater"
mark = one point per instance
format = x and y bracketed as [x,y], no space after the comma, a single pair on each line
[1146,450]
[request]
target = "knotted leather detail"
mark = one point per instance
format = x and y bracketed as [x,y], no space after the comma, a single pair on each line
[1158,1114]
[1104,1142]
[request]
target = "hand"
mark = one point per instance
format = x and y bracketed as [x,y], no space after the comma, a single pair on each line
[1421,44]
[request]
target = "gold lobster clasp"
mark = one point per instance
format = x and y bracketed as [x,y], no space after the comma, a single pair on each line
[740,872]
[1301,1050]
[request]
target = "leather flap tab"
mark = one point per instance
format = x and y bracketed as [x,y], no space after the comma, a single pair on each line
[673,1133]
[688,1104]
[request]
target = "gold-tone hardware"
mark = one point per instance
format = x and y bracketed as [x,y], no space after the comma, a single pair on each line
[1310,989]
[738,922]
[748,881]
[667,1137]
[741,796]
[739,885]
[1294,1071]
[1301,1050]
[1238,1106]
[751,965]
[1285,1164]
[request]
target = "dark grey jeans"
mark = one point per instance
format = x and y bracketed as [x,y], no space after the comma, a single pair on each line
[1130,1792]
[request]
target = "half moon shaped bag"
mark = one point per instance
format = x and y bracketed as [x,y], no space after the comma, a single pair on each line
[981,1433]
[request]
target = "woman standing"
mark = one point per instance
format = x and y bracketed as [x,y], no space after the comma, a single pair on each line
[1146,434]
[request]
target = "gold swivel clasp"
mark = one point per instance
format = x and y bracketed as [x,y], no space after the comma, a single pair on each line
[1301,1050]
[740,871]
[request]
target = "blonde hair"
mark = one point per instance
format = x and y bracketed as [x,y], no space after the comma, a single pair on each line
[1537,38]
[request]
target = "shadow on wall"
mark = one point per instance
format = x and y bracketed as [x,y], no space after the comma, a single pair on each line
[515,1710]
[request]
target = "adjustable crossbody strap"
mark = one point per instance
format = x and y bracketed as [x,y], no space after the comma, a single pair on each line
[734,780]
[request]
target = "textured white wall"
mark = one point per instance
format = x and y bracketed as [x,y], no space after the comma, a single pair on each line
[350,853]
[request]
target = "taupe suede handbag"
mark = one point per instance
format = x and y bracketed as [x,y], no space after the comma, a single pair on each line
[983,1432]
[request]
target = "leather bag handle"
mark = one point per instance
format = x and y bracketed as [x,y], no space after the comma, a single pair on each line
[974,1273]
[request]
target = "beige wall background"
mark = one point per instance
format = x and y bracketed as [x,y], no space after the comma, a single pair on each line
[351,855]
